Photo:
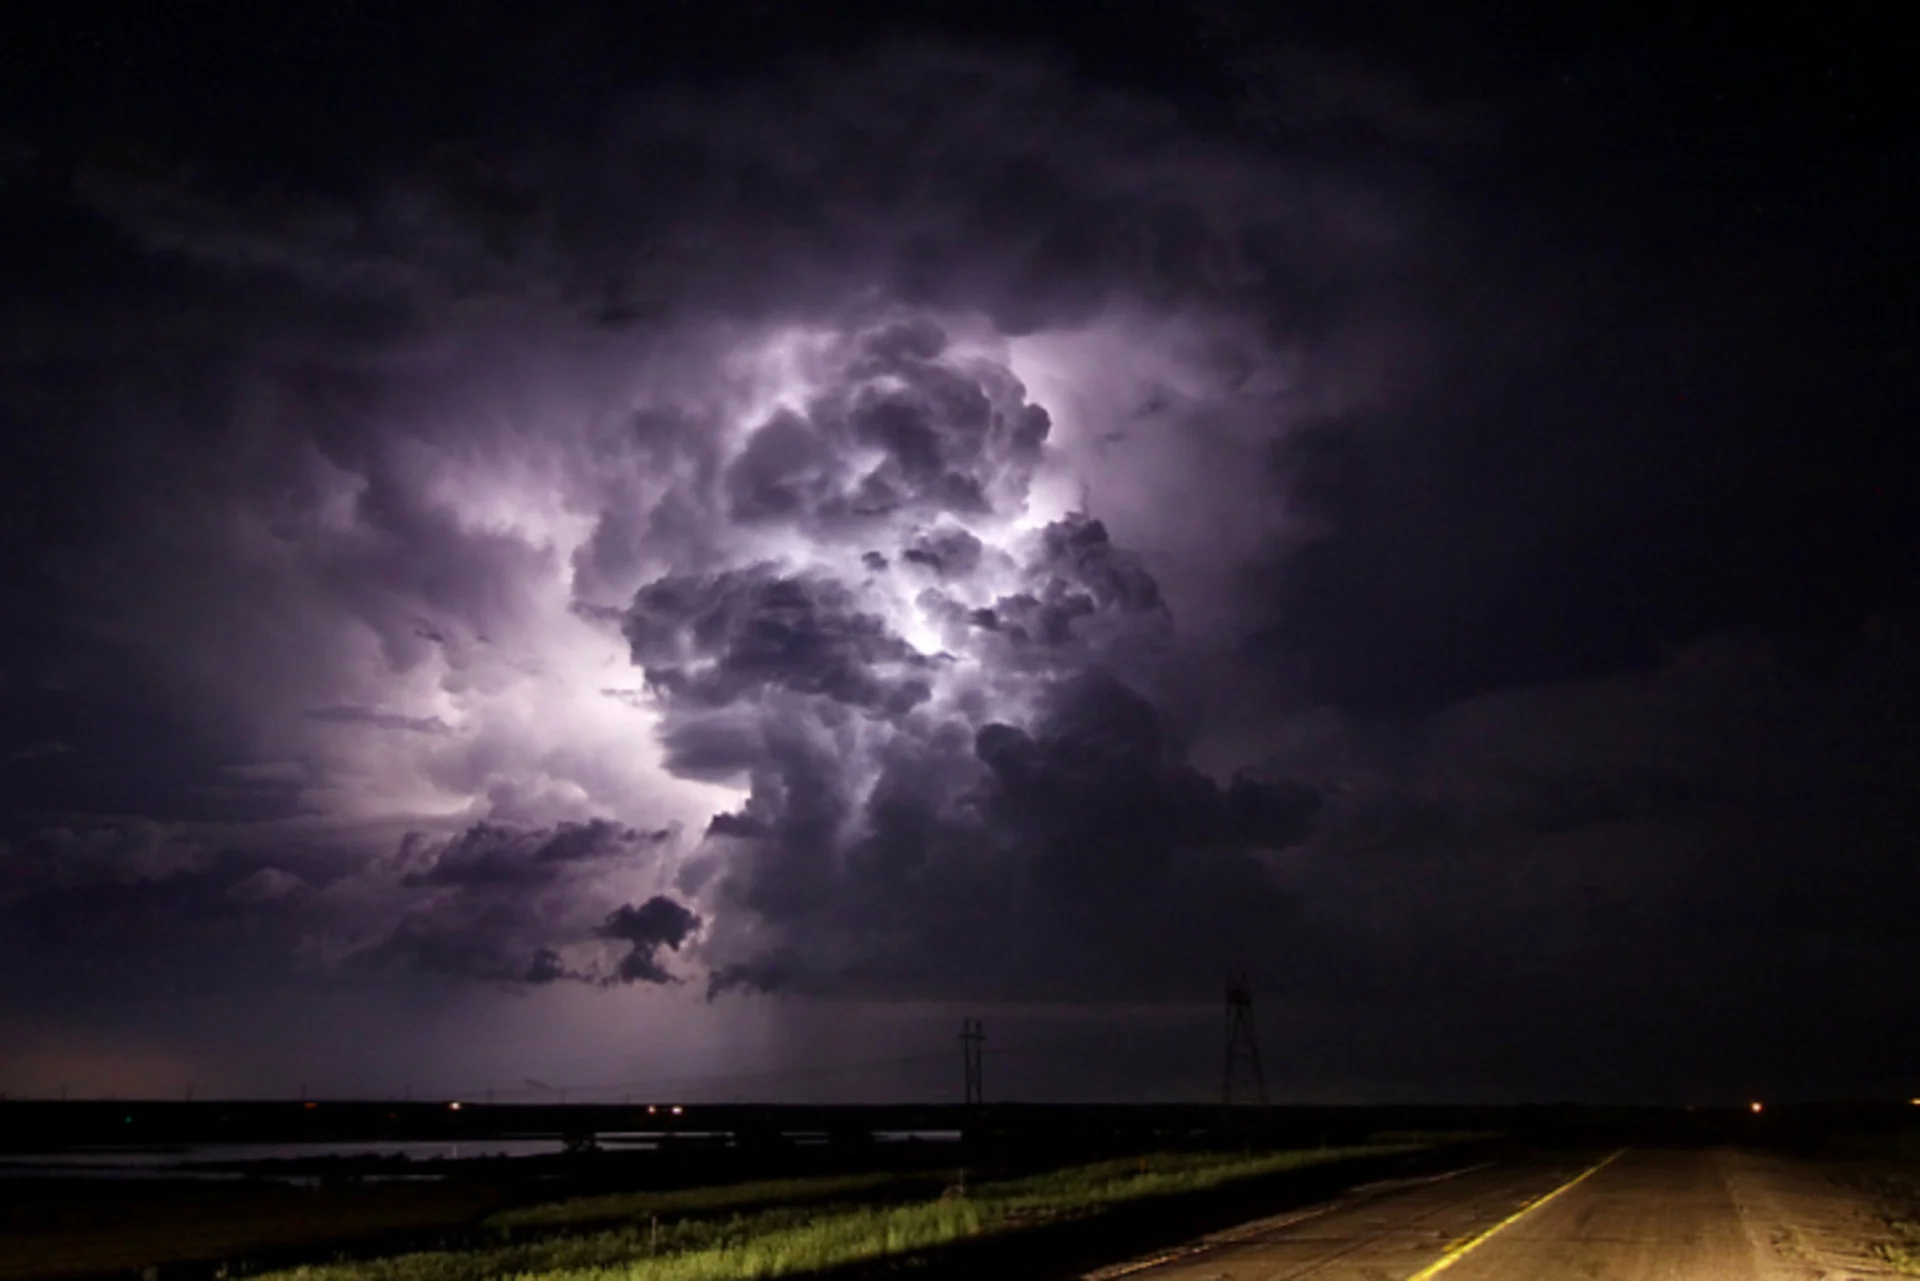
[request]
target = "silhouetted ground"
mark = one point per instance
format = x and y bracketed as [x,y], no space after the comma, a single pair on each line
[188,1230]
[84,1228]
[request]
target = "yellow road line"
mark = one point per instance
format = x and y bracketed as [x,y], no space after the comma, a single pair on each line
[1287,1219]
[1460,1250]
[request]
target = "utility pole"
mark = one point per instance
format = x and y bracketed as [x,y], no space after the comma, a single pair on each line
[1242,1046]
[973,1036]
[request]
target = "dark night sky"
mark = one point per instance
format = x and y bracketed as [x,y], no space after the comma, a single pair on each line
[687,546]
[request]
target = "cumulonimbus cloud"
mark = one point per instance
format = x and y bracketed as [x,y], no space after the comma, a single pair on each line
[590,522]
[940,702]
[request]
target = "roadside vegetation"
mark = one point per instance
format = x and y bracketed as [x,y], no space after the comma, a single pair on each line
[640,1207]
[1903,1254]
[1883,1164]
[1898,1192]
[768,1235]
[1899,1199]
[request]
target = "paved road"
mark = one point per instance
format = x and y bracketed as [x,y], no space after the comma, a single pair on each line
[1629,1216]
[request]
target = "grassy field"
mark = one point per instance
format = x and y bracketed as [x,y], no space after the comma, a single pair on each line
[772,1239]
[639,1207]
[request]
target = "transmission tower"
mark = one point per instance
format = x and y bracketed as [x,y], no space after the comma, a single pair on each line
[973,1036]
[1243,1046]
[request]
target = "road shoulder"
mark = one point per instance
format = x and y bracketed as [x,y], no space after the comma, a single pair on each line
[1805,1221]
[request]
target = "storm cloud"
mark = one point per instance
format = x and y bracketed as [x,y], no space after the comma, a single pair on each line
[921,522]
[657,923]
[501,904]
[885,788]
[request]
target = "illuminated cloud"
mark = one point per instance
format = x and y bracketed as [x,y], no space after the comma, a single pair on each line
[933,525]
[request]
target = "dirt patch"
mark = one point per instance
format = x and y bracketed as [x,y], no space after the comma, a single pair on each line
[1809,1221]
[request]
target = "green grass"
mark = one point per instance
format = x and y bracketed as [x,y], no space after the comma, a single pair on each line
[629,1207]
[1901,1249]
[565,1254]
[1901,1256]
[846,1236]
[1088,1187]
[789,1240]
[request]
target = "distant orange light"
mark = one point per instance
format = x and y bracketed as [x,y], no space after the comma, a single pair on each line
[311,1105]
[651,1109]
[1755,1108]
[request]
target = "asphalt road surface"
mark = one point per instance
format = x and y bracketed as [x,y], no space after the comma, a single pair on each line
[1637,1215]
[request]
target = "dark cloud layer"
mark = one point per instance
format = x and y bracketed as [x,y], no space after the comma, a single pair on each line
[506,905]
[659,922]
[756,629]
[493,854]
